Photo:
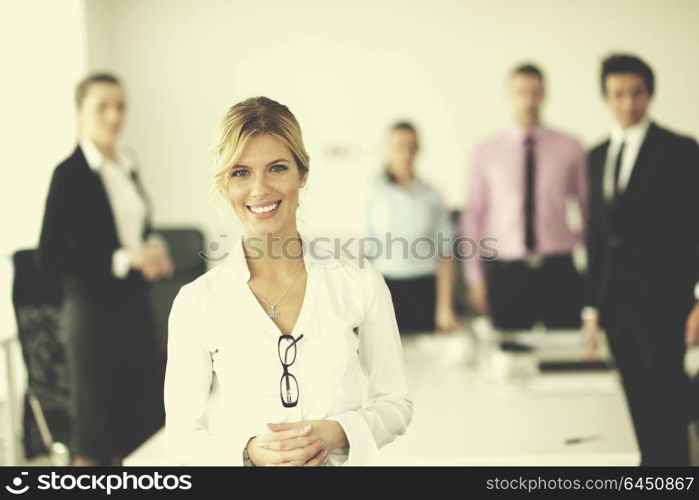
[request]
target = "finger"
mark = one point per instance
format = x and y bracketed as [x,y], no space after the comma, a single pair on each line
[300,454]
[303,454]
[291,444]
[300,427]
[283,426]
[318,459]
[281,435]
[295,463]
[691,336]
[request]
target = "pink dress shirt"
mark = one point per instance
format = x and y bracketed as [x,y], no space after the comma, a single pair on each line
[495,207]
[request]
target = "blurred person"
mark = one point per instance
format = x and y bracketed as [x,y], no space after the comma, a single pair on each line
[285,324]
[643,262]
[420,270]
[97,235]
[520,182]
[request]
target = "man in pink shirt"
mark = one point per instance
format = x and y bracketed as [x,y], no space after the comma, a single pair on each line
[521,181]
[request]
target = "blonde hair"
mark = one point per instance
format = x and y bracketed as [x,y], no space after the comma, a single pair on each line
[253,116]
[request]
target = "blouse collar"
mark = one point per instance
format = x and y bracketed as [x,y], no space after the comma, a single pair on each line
[96,160]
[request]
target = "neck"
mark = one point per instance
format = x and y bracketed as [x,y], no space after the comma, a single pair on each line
[107,149]
[405,181]
[629,125]
[275,255]
[528,124]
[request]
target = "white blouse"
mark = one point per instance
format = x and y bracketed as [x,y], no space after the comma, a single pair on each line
[128,207]
[349,331]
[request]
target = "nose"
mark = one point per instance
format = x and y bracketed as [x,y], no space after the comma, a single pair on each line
[627,104]
[260,187]
[113,117]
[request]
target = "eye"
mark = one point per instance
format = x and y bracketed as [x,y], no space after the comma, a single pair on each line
[239,173]
[278,168]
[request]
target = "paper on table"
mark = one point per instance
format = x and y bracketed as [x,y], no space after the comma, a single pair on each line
[573,385]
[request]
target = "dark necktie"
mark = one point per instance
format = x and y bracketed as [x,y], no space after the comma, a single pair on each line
[142,193]
[530,236]
[617,171]
[139,187]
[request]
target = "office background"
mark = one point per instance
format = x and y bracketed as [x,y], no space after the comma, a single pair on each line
[346,69]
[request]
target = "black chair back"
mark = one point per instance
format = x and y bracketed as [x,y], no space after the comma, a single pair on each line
[36,297]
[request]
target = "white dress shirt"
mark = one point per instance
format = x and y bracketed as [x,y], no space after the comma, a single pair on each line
[633,138]
[127,205]
[417,214]
[349,331]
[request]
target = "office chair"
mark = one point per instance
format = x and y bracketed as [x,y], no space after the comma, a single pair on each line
[36,297]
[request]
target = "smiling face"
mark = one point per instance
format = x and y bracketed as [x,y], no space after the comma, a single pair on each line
[263,188]
[627,97]
[101,113]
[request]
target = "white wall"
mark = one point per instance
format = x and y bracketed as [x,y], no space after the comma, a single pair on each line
[43,54]
[348,69]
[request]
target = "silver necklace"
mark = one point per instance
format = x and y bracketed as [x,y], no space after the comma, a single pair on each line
[272,313]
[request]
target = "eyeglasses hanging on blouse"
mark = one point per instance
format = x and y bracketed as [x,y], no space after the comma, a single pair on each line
[288,385]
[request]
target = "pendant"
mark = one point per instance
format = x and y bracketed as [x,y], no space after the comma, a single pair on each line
[272,313]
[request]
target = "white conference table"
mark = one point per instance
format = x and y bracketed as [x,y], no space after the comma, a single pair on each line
[467,411]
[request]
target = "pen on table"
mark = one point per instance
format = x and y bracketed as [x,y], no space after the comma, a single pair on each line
[580,439]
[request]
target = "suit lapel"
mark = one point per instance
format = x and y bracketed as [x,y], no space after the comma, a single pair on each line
[146,201]
[641,168]
[100,199]
[599,165]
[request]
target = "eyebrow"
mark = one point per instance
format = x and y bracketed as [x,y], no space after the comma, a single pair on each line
[269,164]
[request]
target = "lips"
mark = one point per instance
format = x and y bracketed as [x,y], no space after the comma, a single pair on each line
[264,209]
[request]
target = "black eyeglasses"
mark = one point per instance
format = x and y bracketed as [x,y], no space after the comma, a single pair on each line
[288,385]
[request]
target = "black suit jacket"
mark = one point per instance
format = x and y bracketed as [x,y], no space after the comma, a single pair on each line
[644,251]
[78,235]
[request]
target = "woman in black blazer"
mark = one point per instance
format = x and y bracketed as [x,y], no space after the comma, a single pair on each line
[97,235]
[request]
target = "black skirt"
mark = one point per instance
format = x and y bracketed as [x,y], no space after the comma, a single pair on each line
[414,300]
[116,388]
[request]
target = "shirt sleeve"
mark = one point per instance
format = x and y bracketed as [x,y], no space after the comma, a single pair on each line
[188,378]
[121,262]
[579,186]
[389,408]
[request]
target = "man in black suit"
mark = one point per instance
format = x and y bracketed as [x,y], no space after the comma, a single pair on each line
[643,259]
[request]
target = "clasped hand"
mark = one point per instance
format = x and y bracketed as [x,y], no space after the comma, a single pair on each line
[305,443]
[153,260]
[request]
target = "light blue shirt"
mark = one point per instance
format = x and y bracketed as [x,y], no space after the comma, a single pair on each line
[407,224]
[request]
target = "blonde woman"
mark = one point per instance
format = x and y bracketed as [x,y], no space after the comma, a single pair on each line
[286,325]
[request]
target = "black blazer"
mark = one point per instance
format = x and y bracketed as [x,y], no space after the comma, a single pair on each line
[78,235]
[644,251]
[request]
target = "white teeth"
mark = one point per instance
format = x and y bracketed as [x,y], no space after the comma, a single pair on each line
[262,210]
